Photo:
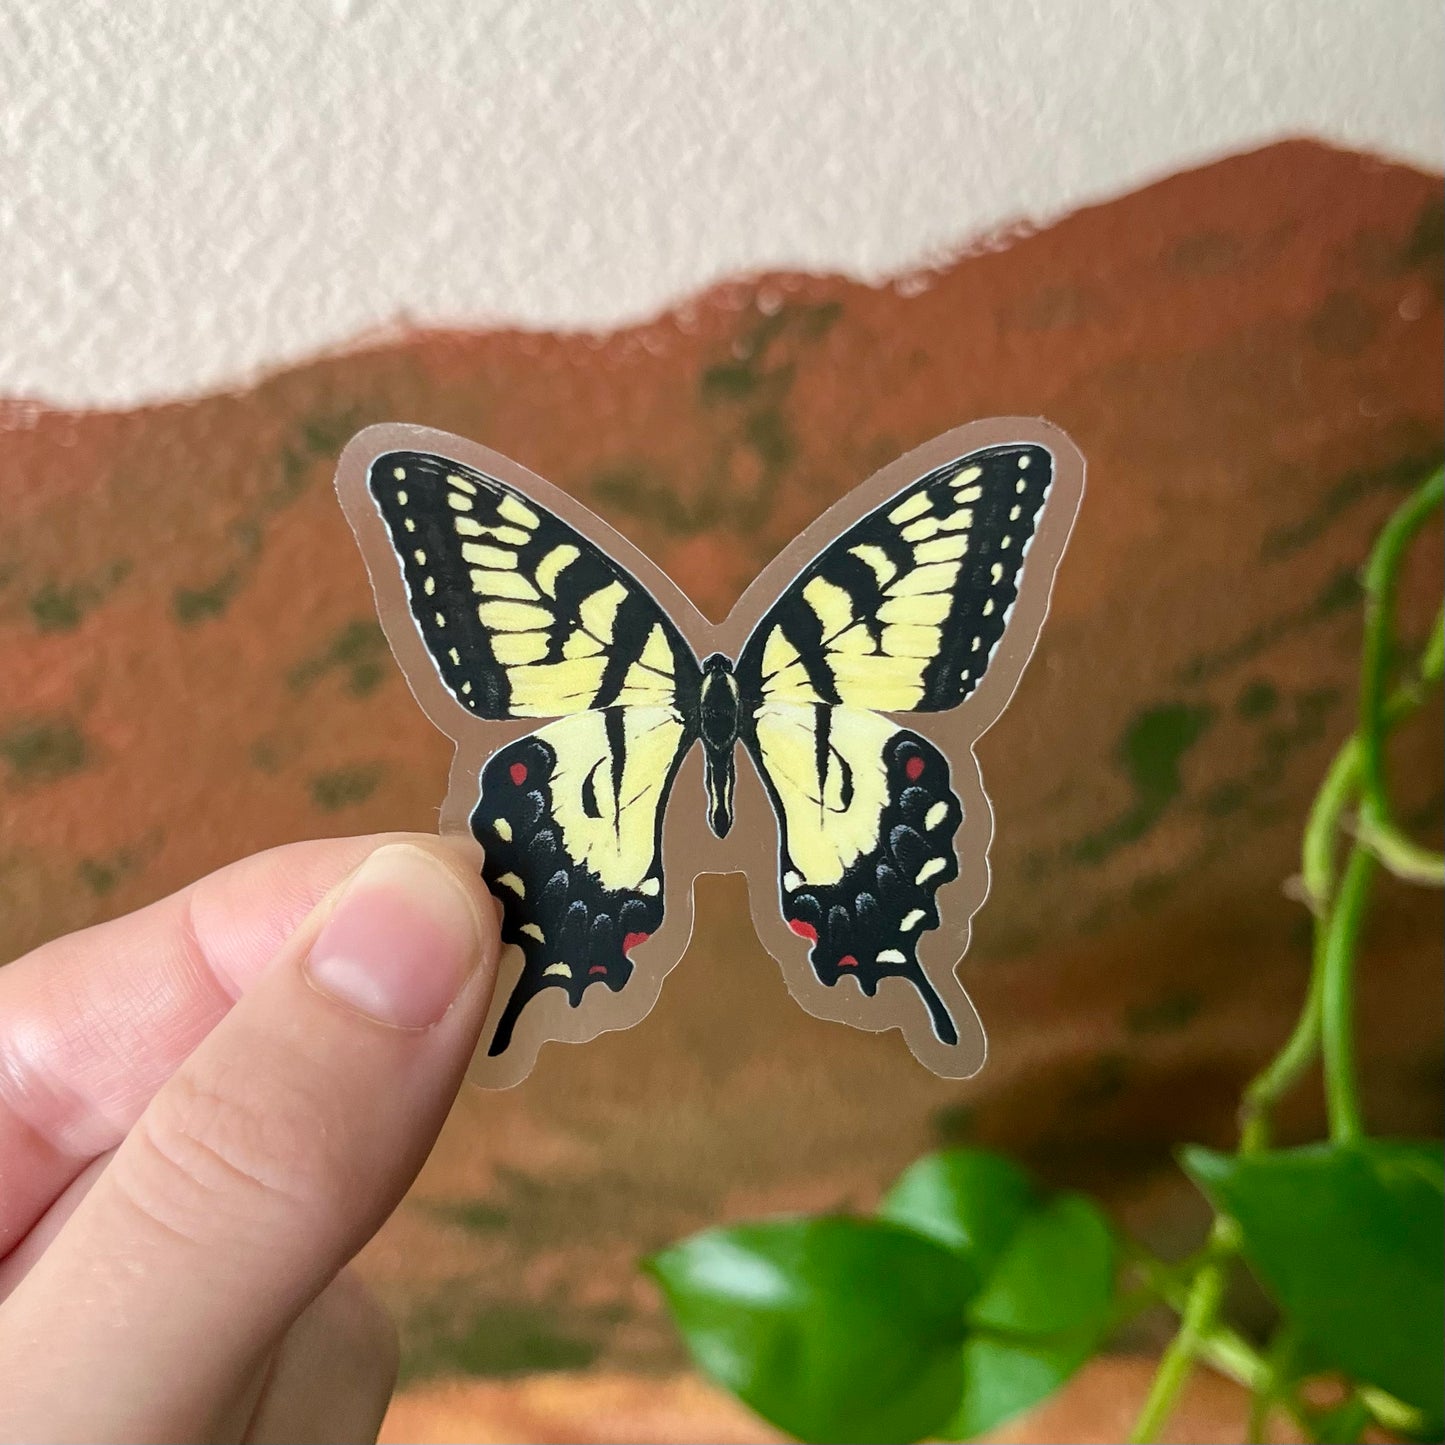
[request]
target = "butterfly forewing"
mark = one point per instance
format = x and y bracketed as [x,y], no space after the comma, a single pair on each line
[902,613]
[522,615]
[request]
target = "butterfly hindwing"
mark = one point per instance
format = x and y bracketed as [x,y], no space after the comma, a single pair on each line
[866,820]
[902,612]
[570,819]
[522,615]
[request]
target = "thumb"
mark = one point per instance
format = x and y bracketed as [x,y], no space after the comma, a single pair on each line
[261,1167]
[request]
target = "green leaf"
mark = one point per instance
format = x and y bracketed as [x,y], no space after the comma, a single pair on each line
[1047,1269]
[1040,1314]
[1348,1240]
[967,1199]
[834,1329]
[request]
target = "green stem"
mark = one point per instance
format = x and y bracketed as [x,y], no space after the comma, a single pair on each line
[1381,579]
[1196,1325]
[1404,857]
[1337,997]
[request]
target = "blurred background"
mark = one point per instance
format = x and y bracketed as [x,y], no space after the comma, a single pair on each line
[707,267]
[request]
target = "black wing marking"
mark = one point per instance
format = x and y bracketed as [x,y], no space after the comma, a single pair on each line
[570,818]
[866,822]
[522,615]
[902,613]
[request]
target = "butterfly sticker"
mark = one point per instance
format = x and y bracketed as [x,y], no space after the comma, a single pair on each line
[612,743]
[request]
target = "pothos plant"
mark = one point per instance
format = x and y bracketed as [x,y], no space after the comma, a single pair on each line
[971,1294]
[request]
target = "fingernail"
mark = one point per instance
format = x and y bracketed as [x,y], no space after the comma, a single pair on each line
[401,941]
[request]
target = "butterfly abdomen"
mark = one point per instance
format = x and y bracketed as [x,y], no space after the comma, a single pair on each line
[719,719]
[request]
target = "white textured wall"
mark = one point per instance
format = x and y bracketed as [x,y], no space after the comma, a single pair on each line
[193,190]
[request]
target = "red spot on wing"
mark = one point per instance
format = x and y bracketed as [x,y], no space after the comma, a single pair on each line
[633,939]
[596,969]
[914,768]
[803,930]
[518,772]
[847,961]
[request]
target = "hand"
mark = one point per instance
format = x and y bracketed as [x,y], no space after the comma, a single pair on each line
[206,1109]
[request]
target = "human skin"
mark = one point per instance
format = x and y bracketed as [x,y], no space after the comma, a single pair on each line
[206,1108]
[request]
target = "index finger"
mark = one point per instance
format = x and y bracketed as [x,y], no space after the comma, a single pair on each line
[92,1024]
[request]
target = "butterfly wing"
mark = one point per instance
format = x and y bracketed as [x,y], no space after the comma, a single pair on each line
[866,820]
[901,613]
[522,615]
[570,818]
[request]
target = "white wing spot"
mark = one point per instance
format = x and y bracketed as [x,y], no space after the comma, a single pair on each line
[935,816]
[466,486]
[1023,486]
[510,880]
[1024,461]
[408,524]
[1013,512]
[650,886]
[456,658]
[1007,542]
[466,688]
[977,643]
[892,955]
[441,619]
[401,497]
[792,880]
[533,931]
[558,970]
[988,608]
[931,869]
[420,557]
[996,572]
[912,920]
[503,829]
[429,586]
[399,473]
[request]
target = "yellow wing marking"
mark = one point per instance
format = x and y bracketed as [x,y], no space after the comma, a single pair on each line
[513,616]
[832,604]
[460,483]
[548,688]
[828,828]
[942,549]
[485,556]
[551,567]
[514,510]
[877,559]
[783,671]
[915,506]
[502,584]
[516,648]
[618,846]
[599,611]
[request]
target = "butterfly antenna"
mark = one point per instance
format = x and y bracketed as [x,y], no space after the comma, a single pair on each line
[943,1024]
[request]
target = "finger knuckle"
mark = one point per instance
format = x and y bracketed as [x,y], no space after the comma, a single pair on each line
[206,1151]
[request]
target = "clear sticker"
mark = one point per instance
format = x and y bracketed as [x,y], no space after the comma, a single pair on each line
[612,743]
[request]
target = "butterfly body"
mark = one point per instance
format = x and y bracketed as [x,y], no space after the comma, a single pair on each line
[524,617]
